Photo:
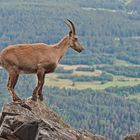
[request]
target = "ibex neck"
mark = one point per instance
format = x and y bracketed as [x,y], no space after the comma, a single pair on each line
[63,43]
[62,47]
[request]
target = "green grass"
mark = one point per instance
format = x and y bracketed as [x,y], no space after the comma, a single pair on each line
[124,78]
[121,83]
[99,86]
[52,80]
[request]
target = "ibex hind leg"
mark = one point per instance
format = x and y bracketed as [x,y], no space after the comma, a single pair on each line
[13,77]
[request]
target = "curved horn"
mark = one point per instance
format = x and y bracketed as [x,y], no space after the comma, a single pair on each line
[73,27]
[70,27]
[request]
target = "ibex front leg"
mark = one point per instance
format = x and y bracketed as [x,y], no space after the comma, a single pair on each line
[13,77]
[38,90]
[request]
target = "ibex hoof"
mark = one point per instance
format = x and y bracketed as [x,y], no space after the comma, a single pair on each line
[34,98]
[16,99]
[41,97]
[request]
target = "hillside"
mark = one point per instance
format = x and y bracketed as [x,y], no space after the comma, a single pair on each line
[34,120]
[98,89]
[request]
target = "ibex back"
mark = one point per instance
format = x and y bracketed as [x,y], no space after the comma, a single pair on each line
[36,58]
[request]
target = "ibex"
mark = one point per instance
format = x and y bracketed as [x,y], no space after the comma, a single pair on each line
[37,58]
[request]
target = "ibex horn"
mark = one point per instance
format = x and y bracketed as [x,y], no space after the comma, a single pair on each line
[71,26]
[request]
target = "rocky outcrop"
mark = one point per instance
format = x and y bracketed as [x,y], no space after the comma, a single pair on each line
[31,120]
[133,137]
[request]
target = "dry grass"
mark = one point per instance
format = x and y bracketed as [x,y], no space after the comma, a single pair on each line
[72,67]
[87,73]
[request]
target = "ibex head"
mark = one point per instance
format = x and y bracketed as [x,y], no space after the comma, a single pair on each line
[73,38]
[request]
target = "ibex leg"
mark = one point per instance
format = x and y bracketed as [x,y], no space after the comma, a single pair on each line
[13,77]
[38,90]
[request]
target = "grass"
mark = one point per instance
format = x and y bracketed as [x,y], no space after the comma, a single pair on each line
[62,83]
[124,78]
[121,83]
[72,67]
[87,73]
[52,80]
[93,85]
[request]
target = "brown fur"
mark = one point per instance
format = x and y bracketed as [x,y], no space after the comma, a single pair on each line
[36,58]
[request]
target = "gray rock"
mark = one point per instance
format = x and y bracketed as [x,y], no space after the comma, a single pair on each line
[31,120]
[133,137]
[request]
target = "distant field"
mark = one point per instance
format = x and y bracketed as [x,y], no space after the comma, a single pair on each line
[52,80]
[62,83]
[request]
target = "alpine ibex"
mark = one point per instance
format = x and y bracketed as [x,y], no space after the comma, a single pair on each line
[37,58]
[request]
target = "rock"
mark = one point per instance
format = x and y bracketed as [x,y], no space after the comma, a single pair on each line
[2,138]
[133,137]
[31,120]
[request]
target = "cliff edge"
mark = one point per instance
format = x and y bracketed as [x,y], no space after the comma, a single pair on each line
[31,120]
[133,136]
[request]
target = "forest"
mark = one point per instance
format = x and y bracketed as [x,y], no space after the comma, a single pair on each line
[103,95]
